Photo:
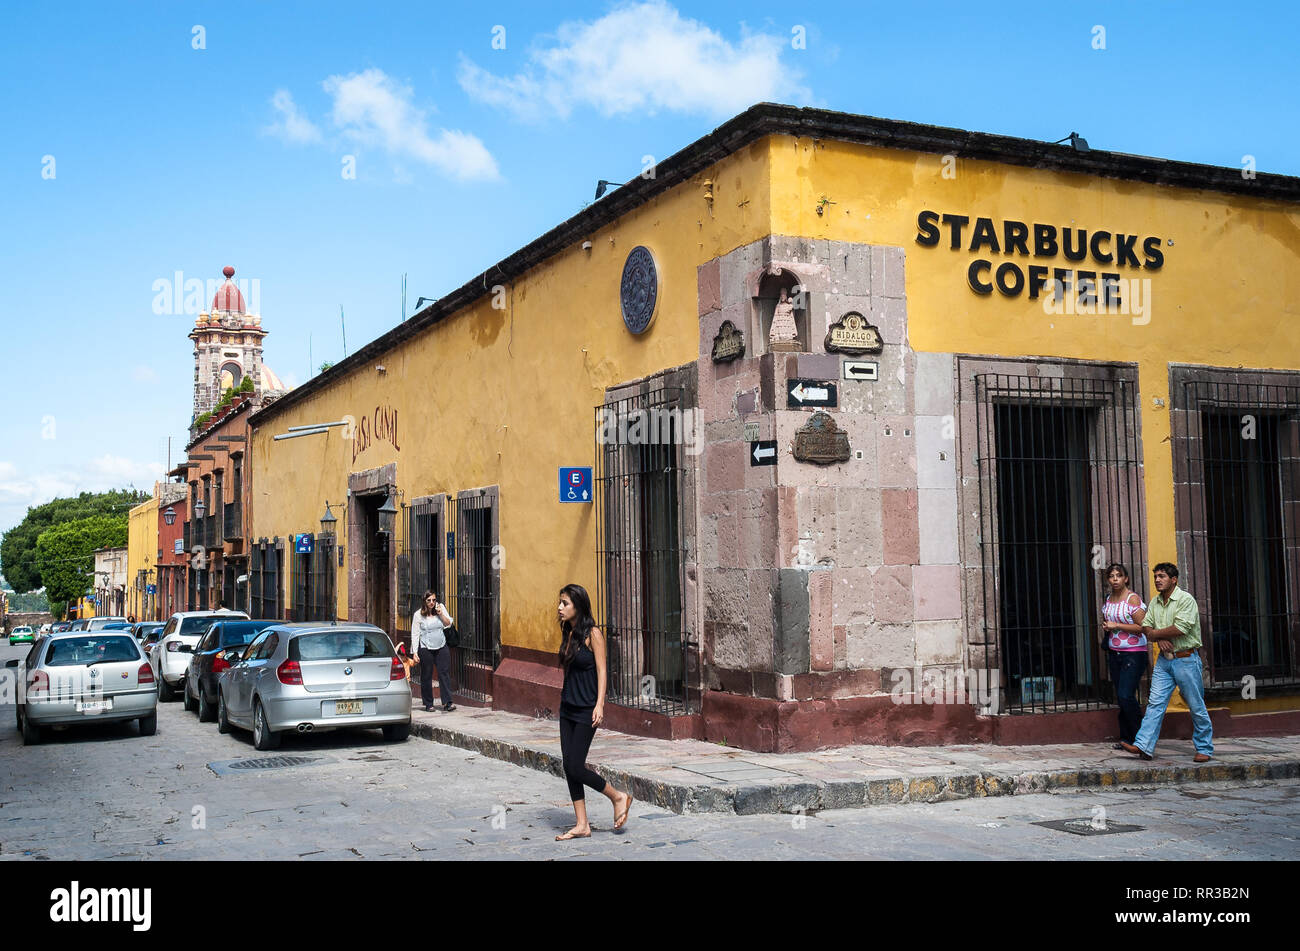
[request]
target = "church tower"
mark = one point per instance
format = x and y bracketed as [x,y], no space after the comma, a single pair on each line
[228,349]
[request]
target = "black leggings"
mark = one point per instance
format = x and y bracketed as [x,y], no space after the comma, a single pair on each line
[575,742]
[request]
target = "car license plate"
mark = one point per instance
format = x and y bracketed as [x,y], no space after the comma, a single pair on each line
[94,706]
[342,707]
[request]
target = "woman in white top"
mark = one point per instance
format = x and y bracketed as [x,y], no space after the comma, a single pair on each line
[1126,648]
[430,642]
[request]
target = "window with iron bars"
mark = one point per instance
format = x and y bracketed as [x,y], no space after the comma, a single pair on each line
[1059,461]
[314,581]
[1236,442]
[640,551]
[266,598]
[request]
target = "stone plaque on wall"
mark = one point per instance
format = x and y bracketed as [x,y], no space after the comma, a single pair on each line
[852,334]
[820,441]
[729,344]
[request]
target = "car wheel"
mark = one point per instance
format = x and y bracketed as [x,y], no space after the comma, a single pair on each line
[31,732]
[165,693]
[263,738]
[223,721]
[149,724]
[190,704]
[397,732]
[206,713]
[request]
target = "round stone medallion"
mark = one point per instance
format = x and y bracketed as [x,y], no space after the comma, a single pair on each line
[639,292]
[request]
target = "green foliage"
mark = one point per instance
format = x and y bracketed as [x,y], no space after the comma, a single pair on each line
[227,398]
[18,548]
[326,365]
[246,386]
[65,553]
[203,420]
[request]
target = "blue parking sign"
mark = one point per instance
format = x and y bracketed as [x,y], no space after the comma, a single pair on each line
[575,484]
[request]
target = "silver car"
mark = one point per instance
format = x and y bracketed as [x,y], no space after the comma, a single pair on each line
[84,677]
[309,676]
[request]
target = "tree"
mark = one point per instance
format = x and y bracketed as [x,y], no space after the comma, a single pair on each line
[65,554]
[18,548]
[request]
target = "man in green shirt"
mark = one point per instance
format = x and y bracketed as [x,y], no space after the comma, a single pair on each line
[1175,623]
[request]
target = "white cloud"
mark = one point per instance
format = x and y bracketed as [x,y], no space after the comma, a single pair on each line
[143,374]
[20,490]
[642,58]
[373,109]
[291,125]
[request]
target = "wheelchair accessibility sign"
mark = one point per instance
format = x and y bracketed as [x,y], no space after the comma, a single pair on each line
[575,484]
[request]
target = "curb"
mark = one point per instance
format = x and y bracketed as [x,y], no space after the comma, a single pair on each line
[807,796]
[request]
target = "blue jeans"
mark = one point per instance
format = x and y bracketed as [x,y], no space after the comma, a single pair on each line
[1126,670]
[1185,673]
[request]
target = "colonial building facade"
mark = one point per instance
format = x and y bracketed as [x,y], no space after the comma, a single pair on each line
[839,420]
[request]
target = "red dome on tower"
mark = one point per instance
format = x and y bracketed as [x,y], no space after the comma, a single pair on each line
[228,297]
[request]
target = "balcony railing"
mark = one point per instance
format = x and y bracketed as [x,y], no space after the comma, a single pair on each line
[213,531]
[234,528]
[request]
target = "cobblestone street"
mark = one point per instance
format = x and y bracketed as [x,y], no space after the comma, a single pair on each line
[104,792]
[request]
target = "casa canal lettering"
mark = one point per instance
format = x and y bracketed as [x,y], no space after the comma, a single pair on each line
[1108,251]
[379,425]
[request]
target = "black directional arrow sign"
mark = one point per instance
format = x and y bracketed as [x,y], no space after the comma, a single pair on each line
[811,393]
[762,453]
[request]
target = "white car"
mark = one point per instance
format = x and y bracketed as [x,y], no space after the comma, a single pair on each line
[183,629]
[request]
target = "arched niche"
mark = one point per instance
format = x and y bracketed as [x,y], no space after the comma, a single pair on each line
[779,287]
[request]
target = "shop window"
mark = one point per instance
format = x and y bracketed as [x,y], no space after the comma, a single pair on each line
[1058,463]
[638,598]
[1237,492]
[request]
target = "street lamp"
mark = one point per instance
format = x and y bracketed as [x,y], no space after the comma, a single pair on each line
[327,520]
[169,516]
[199,509]
[387,515]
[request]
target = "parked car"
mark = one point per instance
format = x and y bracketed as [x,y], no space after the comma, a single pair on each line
[79,624]
[183,629]
[105,623]
[45,629]
[309,677]
[22,634]
[85,677]
[143,629]
[207,661]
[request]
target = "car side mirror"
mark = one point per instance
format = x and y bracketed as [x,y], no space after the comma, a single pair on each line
[185,649]
[12,663]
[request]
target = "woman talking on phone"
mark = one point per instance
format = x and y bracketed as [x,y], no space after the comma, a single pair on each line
[430,642]
[582,707]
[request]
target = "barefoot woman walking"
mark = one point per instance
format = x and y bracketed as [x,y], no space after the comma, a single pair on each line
[582,706]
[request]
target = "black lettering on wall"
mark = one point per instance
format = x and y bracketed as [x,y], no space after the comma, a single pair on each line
[1014,234]
[1097,238]
[1045,241]
[972,277]
[1071,253]
[1155,257]
[1037,279]
[955,223]
[984,234]
[1008,287]
[1124,256]
[927,231]
[1110,290]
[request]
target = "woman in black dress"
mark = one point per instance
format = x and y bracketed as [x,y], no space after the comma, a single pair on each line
[582,707]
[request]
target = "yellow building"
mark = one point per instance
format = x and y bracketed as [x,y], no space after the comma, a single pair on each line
[869,407]
[142,559]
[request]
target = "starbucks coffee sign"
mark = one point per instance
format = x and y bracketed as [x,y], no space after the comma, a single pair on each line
[852,334]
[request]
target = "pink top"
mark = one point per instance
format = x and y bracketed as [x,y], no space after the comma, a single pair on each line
[1121,612]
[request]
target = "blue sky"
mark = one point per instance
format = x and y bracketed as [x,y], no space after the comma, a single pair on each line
[170,158]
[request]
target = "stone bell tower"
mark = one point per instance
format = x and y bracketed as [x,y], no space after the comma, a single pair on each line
[228,348]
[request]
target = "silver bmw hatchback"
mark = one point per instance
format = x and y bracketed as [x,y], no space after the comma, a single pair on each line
[310,677]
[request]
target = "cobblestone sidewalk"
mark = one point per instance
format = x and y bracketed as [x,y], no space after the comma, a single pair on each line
[694,776]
